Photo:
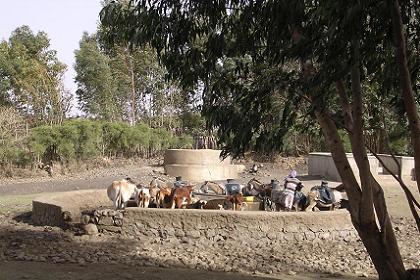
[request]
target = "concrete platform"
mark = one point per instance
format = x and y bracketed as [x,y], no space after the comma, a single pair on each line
[406,164]
[322,164]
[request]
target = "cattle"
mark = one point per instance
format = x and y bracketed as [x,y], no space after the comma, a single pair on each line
[180,194]
[212,187]
[153,191]
[231,202]
[143,195]
[235,202]
[199,204]
[120,192]
[162,196]
[160,183]
[215,204]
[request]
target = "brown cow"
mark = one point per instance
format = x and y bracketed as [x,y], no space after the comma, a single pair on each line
[234,202]
[231,202]
[179,195]
[162,195]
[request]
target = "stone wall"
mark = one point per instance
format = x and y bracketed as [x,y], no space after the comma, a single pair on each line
[241,228]
[406,164]
[255,228]
[55,209]
[230,226]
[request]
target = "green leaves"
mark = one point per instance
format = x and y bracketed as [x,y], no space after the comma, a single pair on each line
[31,77]
[265,65]
[87,139]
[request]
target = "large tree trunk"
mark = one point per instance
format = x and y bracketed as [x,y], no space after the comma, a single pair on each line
[406,86]
[380,243]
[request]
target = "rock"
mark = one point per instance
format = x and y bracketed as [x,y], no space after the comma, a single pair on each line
[193,234]
[85,219]
[90,229]
[107,221]
[118,222]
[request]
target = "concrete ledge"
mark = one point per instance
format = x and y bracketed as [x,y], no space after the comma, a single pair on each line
[194,157]
[48,209]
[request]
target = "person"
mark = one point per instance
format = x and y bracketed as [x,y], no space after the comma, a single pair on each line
[178,182]
[232,187]
[325,193]
[276,190]
[291,183]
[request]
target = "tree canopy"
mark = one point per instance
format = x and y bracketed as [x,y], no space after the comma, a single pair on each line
[241,52]
[31,76]
[266,66]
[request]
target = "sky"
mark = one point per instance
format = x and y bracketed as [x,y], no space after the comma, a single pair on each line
[63,20]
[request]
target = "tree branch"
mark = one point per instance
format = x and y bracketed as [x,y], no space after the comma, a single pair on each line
[410,198]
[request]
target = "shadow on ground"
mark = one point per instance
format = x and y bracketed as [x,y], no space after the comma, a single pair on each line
[51,253]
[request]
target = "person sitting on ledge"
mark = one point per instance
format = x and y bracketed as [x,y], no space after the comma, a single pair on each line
[178,182]
[232,187]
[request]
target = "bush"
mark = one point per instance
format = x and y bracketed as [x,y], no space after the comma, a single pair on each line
[77,140]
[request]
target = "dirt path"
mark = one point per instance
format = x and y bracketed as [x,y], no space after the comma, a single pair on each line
[47,271]
[93,179]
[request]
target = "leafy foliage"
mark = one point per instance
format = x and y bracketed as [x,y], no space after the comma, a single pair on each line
[31,77]
[85,139]
[254,59]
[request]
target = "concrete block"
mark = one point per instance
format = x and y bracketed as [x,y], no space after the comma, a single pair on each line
[406,163]
[322,164]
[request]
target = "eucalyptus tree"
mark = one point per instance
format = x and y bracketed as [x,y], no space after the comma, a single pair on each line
[121,82]
[311,57]
[31,76]
[97,91]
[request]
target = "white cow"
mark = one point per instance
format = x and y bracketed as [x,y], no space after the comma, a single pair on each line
[120,192]
[143,196]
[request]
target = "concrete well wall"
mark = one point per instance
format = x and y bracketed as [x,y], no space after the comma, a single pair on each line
[199,165]
[322,164]
[406,163]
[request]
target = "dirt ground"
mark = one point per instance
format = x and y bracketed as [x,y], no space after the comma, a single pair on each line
[16,196]
[32,270]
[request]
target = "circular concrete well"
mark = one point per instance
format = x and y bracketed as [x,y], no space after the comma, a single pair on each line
[199,165]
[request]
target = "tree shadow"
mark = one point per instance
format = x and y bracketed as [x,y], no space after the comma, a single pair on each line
[24,217]
[91,257]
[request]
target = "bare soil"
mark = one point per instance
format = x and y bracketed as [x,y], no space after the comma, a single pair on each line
[15,205]
[34,270]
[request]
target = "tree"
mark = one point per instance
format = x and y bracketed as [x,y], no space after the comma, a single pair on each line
[123,83]
[97,91]
[31,77]
[314,56]
[406,84]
